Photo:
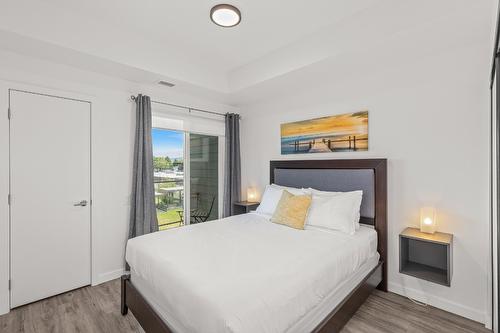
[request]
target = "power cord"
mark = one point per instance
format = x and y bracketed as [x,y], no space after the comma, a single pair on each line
[417,302]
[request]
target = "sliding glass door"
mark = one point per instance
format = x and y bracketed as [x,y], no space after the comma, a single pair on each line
[187,173]
[203,177]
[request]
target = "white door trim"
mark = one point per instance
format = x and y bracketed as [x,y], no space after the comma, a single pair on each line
[62,95]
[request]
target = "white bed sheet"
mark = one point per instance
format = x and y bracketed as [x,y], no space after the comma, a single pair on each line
[245,274]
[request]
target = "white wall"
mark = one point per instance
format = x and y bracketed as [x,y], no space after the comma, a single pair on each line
[428,115]
[112,147]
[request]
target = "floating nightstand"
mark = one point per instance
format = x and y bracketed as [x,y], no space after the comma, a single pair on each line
[426,256]
[243,207]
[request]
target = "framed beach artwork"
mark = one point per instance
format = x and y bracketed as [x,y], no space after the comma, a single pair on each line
[344,132]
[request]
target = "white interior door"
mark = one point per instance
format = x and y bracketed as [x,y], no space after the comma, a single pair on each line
[50,196]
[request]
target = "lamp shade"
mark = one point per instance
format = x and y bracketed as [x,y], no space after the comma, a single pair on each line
[428,220]
[251,194]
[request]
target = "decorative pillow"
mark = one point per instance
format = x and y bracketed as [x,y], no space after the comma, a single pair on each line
[271,197]
[336,212]
[331,193]
[292,210]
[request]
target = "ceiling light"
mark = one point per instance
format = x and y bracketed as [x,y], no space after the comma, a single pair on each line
[225,15]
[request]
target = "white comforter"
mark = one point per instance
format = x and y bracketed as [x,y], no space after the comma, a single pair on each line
[244,273]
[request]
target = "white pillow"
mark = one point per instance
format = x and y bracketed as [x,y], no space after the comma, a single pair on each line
[337,212]
[293,190]
[315,191]
[331,193]
[272,195]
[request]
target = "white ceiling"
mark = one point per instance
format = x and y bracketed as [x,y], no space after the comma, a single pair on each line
[185,25]
[174,40]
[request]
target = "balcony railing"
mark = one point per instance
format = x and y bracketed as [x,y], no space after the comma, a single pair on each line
[169,198]
[169,201]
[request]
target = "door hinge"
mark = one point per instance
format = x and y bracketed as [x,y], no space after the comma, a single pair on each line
[9,199]
[10,284]
[9,113]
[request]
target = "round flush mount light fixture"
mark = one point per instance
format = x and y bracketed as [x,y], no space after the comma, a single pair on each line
[225,15]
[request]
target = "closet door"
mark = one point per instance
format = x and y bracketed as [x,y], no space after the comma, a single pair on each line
[50,196]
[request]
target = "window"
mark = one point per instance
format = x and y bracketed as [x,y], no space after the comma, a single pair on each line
[168,164]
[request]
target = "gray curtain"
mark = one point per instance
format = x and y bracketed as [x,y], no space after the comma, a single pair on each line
[143,218]
[232,168]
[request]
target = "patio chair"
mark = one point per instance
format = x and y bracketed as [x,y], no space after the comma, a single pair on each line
[198,215]
[181,216]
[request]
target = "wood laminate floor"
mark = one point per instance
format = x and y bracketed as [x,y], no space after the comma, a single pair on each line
[97,309]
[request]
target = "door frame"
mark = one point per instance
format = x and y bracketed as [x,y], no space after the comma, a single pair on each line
[40,91]
[187,177]
[495,194]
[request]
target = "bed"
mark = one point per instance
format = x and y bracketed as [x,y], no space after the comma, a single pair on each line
[245,274]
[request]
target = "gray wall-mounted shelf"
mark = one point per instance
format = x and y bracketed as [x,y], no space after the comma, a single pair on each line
[426,256]
[243,207]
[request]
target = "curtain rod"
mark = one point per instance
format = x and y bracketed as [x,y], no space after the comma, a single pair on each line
[184,107]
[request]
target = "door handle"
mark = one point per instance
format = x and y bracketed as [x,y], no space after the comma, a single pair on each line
[82,203]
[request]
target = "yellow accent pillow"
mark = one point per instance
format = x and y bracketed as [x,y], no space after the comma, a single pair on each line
[292,210]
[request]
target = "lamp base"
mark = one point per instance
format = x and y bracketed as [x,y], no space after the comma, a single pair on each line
[427,229]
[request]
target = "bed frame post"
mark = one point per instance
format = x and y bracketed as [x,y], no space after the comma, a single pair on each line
[124,307]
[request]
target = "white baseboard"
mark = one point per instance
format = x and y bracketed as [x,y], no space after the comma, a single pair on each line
[439,302]
[108,276]
[488,322]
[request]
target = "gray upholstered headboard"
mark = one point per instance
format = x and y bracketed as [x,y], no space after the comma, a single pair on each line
[336,175]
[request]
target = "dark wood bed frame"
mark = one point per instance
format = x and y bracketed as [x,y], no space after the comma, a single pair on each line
[151,322]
